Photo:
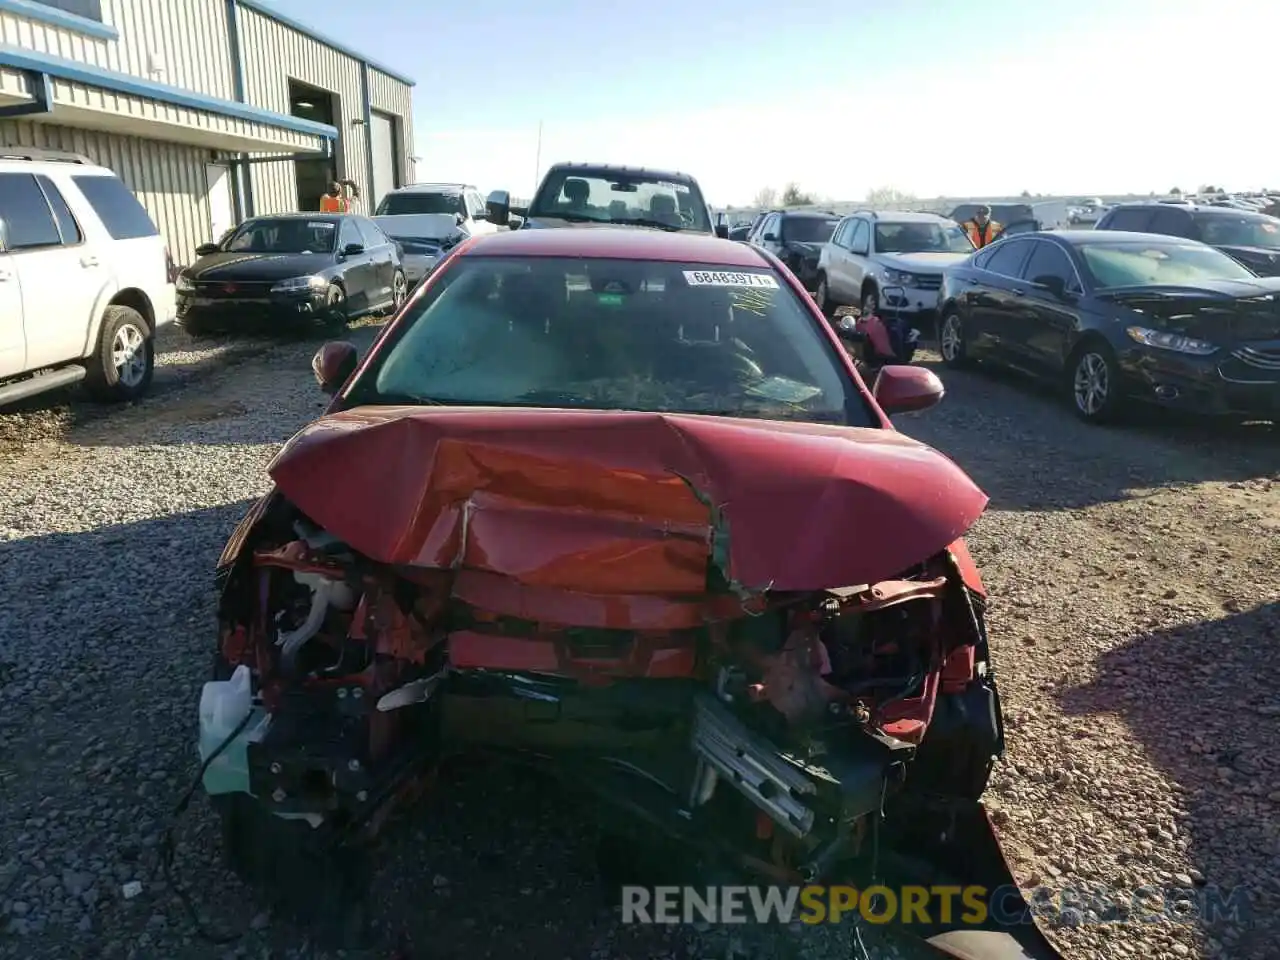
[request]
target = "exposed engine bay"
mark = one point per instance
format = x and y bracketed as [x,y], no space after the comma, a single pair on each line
[795,736]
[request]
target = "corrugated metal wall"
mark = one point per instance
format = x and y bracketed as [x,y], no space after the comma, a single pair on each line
[162,121]
[169,179]
[189,41]
[391,96]
[274,54]
[190,36]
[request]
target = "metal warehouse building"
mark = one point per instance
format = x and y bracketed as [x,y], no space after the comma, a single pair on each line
[210,110]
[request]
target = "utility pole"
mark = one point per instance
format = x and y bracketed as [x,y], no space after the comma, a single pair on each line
[537,161]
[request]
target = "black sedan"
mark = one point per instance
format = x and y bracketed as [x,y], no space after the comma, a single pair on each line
[300,270]
[1118,317]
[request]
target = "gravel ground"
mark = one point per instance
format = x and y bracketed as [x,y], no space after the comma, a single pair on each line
[1136,580]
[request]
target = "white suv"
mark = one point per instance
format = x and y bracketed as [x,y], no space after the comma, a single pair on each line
[85,279]
[871,252]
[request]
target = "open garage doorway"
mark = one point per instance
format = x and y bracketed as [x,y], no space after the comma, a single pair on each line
[314,176]
[384,137]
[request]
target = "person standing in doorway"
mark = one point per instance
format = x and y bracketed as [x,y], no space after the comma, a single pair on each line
[335,200]
[981,228]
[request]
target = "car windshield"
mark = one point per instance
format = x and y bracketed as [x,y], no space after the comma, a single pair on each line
[921,238]
[1228,231]
[284,235]
[809,229]
[1127,264]
[608,334]
[608,196]
[396,204]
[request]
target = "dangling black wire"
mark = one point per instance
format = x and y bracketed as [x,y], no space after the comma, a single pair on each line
[169,845]
[858,949]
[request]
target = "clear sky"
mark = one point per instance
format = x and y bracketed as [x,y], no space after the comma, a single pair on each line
[932,97]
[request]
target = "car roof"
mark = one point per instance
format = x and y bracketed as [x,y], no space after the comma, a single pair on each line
[620,243]
[902,216]
[302,216]
[429,187]
[673,175]
[815,214]
[1192,207]
[1081,237]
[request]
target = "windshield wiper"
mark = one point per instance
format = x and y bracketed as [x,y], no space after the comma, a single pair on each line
[401,400]
[565,215]
[644,222]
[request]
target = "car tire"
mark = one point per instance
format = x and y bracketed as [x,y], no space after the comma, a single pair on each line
[1093,382]
[399,292]
[870,301]
[822,296]
[951,341]
[123,365]
[336,315]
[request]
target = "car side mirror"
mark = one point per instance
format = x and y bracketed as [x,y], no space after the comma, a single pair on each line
[333,365]
[351,249]
[1054,285]
[206,248]
[770,238]
[907,389]
[722,231]
[498,208]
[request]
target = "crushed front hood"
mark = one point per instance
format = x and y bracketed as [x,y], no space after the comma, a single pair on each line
[419,226]
[925,260]
[1220,311]
[625,502]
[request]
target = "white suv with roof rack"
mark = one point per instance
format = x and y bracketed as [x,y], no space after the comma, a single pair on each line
[85,279]
[890,258]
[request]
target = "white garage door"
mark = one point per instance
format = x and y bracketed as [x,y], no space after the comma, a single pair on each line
[383,136]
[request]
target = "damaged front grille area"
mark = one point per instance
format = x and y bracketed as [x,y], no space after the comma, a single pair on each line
[778,731]
[728,749]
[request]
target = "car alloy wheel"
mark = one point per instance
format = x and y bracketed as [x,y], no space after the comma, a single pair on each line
[1091,384]
[129,355]
[399,291]
[870,304]
[951,341]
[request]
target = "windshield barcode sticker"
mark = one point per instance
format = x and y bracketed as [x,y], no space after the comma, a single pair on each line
[320,224]
[709,278]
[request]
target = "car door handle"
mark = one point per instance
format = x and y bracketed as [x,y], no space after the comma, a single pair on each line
[5,275]
[87,262]
[1019,293]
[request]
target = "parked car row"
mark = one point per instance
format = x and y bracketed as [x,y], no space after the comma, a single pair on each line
[1175,305]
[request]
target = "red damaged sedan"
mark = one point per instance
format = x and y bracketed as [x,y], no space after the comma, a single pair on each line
[615,502]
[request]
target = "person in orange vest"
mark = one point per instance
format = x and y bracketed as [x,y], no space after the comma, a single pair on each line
[982,229]
[335,200]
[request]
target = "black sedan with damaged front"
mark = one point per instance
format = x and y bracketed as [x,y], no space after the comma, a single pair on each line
[1120,317]
[291,270]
